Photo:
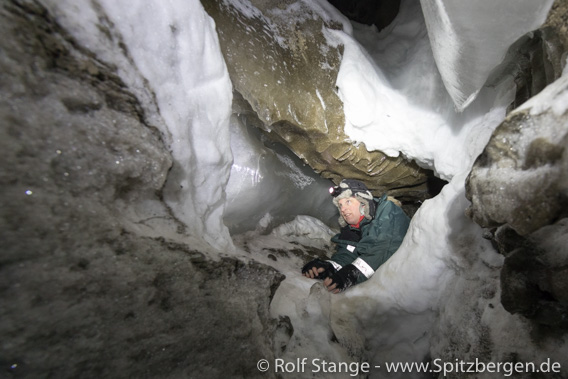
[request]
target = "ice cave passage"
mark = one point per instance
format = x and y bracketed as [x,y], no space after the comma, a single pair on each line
[165,168]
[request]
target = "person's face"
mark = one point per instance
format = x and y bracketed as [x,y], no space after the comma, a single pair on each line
[349,210]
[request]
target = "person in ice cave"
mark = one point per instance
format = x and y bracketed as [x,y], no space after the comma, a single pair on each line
[372,229]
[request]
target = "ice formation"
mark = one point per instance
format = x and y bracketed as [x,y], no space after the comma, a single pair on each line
[269,185]
[165,43]
[395,101]
[399,88]
[470,38]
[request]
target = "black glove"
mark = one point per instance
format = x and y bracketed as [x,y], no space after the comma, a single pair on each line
[318,263]
[345,278]
[350,234]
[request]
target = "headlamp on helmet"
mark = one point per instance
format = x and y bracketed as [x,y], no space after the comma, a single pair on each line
[335,191]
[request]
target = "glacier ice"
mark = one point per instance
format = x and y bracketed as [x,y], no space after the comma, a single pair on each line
[269,185]
[395,101]
[223,174]
[470,38]
[156,49]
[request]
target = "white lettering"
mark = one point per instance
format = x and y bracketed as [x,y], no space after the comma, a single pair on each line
[315,363]
[437,366]
[353,368]
[508,368]
[278,365]
[281,366]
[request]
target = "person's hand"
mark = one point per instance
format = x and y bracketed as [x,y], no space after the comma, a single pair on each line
[314,272]
[318,269]
[342,279]
[330,285]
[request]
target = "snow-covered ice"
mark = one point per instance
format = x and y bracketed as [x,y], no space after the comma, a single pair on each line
[166,42]
[395,100]
[393,85]
[470,38]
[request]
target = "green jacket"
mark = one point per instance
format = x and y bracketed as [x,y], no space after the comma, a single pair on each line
[379,237]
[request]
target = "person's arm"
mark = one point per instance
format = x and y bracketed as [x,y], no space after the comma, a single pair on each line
[383,240]
[321,269]
[376,246]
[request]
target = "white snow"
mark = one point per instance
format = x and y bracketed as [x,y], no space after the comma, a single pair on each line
[552,97]
[470,38]
[395,101]
[165,43]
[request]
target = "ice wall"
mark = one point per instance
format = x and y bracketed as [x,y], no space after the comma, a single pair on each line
[157,48]
[395,99]
[470,38]
[269,185]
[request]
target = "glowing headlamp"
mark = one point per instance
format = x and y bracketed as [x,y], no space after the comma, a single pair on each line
[335,191]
